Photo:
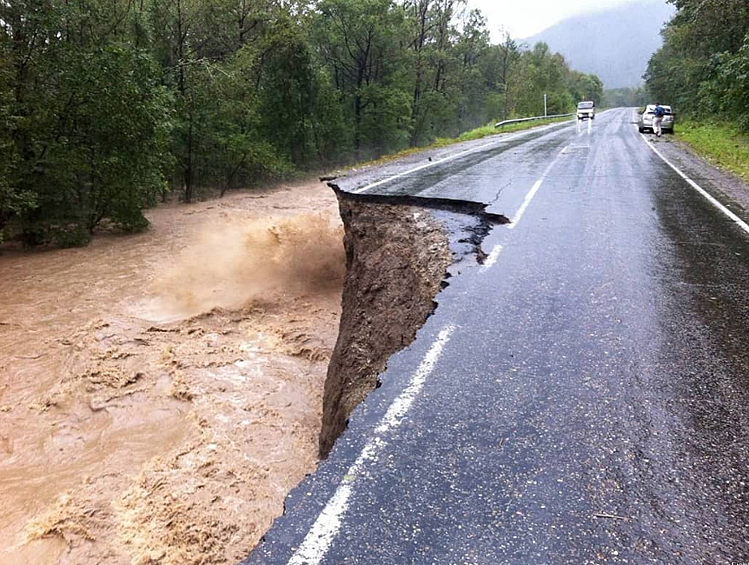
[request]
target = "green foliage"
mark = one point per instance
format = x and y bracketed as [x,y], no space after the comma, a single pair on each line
[95,152]
[727,92]
[722,143]
[107,105]
[624,97]
[586,87]
[89,125]
[359,40]
[11,202]
[703,67]
[540,72]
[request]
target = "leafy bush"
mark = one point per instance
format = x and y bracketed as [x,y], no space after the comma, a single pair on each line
[729,89]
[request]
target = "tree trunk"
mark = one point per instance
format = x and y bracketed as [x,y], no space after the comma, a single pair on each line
[189,166]
[357,125]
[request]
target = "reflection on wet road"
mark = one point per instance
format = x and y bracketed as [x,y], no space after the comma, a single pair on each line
[591,401]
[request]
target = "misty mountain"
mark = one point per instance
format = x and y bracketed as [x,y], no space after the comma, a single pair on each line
[615,44]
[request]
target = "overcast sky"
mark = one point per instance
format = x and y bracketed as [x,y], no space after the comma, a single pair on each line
[524,18]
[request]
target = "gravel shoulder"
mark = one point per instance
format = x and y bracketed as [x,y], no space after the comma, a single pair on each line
[727,187]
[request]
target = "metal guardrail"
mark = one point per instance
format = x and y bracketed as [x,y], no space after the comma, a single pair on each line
[518,120]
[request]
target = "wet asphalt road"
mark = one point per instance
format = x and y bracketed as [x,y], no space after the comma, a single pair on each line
[582,398]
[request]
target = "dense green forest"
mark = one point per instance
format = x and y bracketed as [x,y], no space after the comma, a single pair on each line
[703,67]
[106,106]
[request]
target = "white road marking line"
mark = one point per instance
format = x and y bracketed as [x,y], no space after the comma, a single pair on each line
[525,204]
[319,538]
[534,189]
[450,158]
[460,154]
[322,533]
[400,406]
[738,221]
[492,258]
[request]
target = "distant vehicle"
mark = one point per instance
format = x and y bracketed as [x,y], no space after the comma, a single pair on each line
[645,121]
[586,109]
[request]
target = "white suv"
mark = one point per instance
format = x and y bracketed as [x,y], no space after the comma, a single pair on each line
[645,121]
[586,109]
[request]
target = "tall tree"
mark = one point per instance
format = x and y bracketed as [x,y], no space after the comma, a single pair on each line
[359,40]
[81,149]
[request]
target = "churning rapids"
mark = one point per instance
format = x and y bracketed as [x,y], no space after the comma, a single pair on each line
[161,393]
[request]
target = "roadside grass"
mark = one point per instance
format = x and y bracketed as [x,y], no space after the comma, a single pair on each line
[472,135]
[723,145]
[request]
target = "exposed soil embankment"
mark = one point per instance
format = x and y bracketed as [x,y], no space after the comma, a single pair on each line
[398,252]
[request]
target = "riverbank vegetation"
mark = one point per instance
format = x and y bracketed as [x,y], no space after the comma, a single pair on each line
[108,106]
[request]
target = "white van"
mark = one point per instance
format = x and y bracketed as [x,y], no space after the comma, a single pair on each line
[586,109]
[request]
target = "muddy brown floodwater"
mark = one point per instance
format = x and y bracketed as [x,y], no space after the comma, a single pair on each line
[161,393]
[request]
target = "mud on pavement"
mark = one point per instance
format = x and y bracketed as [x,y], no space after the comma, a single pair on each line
[160,394]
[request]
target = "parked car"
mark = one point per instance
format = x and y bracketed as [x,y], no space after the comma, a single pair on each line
[586,109]
[645,121]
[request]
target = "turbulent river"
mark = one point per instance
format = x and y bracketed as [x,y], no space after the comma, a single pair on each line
[160,393]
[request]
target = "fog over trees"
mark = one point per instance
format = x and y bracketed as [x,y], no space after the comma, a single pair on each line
[614,43]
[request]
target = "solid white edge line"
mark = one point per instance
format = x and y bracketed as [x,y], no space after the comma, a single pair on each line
[320,537]
[738,221]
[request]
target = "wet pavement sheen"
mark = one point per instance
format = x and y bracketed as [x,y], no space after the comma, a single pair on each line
[592,403]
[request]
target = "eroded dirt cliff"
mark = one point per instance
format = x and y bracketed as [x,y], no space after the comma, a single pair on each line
[396,257]
[398,252]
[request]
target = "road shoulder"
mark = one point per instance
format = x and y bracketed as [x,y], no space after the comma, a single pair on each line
[727,187]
